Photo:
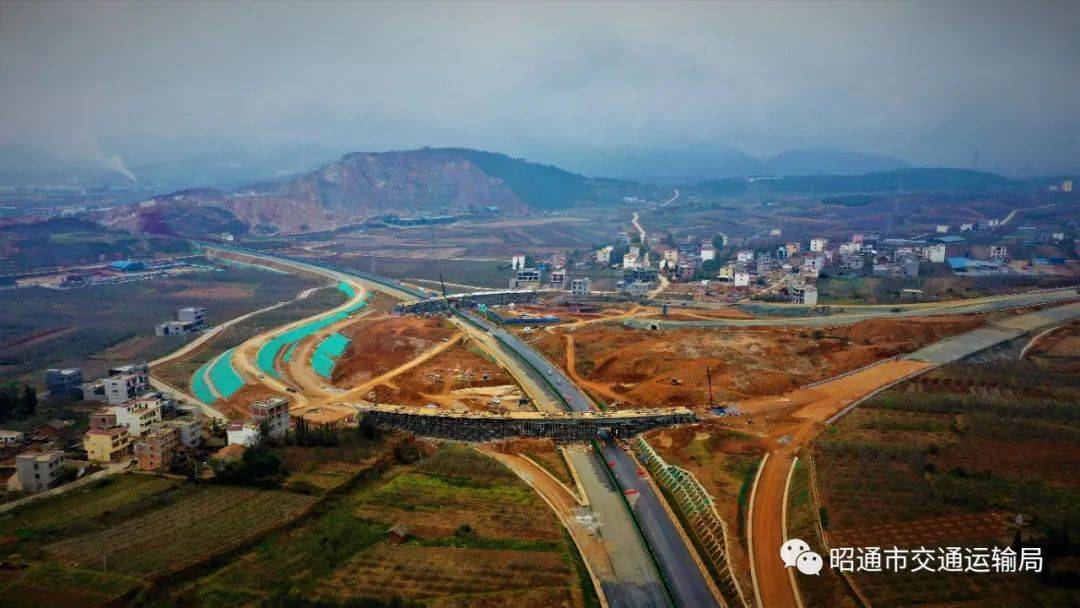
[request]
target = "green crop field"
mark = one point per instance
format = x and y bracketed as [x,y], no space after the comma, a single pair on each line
[73,511]
[477,533]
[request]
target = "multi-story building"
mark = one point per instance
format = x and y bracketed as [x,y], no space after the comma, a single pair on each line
[103,418]
[634,289]
[174,328]
[273,415]
[39,471]
[243,433]
[11,438]
[190,429]
[557,279]
[138,416]
[934,253]
[819,245]
[192,314]
[580,287]
[708,253]
[189,320]
[741,279]
[804,294]
[850,248]
[744,256]
[157,450]
[124,387]
[793,249]
[64,383]
[689,248]
[526,278]
[999,252]
[603,255]
[644,274]
[107,444]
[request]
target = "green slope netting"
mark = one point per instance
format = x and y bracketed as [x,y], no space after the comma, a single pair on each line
[327,352]
[223,376]
[347,289]
[198,384]
[266,355]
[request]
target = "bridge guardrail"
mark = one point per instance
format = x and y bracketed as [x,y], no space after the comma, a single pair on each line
[698,509]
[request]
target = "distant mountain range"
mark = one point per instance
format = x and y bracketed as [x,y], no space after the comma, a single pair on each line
[899,180]
[701,163]
[361,186]
[435,181]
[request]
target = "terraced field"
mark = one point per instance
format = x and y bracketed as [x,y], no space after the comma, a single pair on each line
[952,459]
[202,522]
[478,536]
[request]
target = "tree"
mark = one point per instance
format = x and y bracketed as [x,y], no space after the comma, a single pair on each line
[7,401]
[29,400]
[257,466]
[15,401]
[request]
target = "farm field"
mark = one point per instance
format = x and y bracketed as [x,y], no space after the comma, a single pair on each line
[73,512]
[828,589]
[105,541]
[951,459]
[198,523]
[66,242]
[97,327]
[640,368]
[477,534]
[45,585]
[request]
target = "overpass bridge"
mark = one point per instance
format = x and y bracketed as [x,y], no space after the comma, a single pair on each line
[469,300]
[557,426]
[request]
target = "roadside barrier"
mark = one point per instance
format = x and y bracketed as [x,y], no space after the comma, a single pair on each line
[699,511]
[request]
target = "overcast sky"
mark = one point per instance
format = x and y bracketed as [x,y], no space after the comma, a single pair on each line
[928,82]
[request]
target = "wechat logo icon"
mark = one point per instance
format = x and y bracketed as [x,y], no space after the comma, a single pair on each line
[797,553]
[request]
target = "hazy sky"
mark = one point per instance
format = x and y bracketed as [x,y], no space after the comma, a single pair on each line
[928,82]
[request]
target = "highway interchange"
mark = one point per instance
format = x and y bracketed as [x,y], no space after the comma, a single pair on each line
[651,561]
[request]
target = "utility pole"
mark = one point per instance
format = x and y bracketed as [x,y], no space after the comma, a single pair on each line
[708,375]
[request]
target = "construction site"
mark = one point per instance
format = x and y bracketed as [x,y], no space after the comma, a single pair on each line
[560,427]
[660,437]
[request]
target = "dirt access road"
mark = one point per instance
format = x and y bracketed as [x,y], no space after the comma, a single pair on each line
[636,221]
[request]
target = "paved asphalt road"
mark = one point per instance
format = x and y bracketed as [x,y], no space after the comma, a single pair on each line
[687,582]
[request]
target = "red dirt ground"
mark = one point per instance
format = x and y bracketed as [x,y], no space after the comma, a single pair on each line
[382,343]
[434,381]
[667,368]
